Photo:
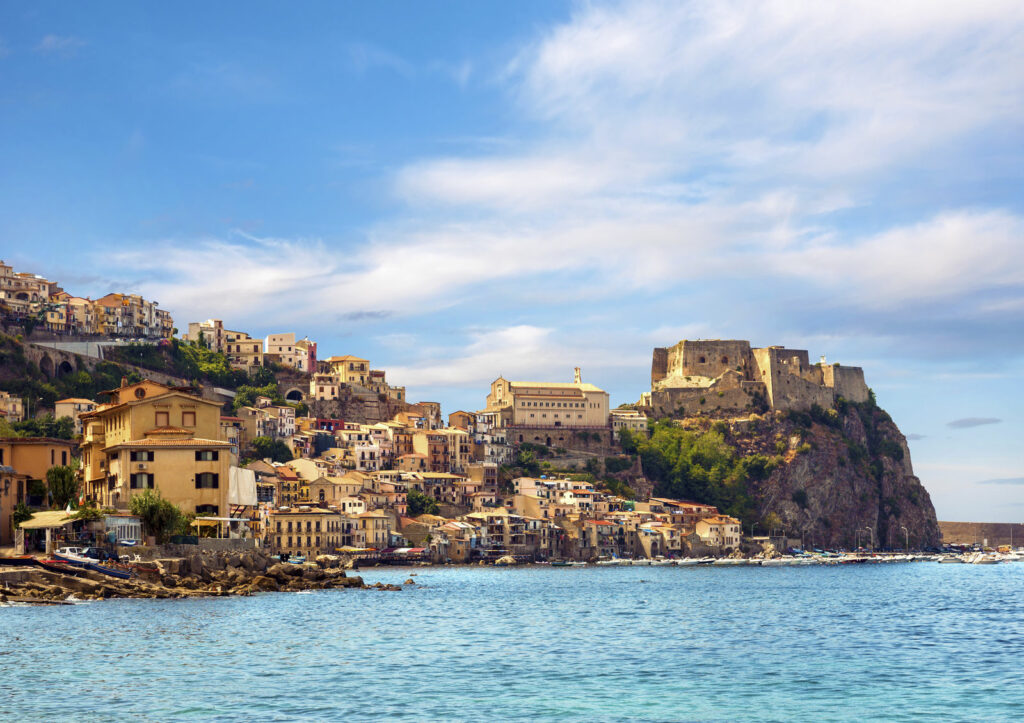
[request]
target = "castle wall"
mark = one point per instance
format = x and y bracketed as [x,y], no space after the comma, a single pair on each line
[727,374]
[848,382]
[679,401]
[708,358]
[790,381]
[659,365]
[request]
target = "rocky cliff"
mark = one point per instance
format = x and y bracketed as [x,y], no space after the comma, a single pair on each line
[838,476]
[359,408]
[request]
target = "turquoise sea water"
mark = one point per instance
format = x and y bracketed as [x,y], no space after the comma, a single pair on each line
[918,641]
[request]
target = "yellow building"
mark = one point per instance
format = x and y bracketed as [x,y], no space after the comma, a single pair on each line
[375,527]
[304,531]
[73,408]
[549,404]
[242,351]
[151,436]
[719,531]
[350,369]
[11,407]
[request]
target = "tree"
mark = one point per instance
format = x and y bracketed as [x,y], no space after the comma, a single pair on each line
[63,428]
[21,513]
[62,487]
[274,449]
[421,504]
[160,517]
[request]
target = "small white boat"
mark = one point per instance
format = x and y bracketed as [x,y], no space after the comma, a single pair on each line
[687,562]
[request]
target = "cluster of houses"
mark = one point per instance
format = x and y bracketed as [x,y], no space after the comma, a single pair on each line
[348,487]
[307,511]
[246,352]
[25,296]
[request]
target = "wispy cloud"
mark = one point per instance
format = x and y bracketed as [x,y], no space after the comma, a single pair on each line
[1003,481]
[913,437]
[65,45]
[364,57]
[968,422]
[373,315]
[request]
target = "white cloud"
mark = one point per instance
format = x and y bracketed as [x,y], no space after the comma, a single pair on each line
[59,45]
[946,257]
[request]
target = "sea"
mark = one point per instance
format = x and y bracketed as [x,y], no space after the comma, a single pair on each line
[893,642]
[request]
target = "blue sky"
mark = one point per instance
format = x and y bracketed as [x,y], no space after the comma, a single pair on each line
[462,190]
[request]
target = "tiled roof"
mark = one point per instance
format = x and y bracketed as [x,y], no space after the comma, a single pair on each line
[172,443]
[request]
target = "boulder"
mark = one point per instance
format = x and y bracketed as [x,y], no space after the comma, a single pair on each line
[313,574]
[196,565]
[173,566]
[262,582]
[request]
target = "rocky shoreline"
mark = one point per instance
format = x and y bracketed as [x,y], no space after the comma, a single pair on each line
[206,574]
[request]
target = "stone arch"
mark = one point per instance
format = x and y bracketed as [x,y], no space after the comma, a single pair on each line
[548,441]
[46,365]
[21,296]
[64,368]
[294,395]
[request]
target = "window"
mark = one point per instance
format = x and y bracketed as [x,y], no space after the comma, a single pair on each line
[207,480]
[163,419]
[64,457]
[207,509]
[206,455]
[141,481]
[141,456]
[188,419]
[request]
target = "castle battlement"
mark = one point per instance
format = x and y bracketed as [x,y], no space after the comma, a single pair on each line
[715,374]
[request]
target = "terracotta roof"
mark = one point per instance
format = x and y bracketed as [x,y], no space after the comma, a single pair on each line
[172,443]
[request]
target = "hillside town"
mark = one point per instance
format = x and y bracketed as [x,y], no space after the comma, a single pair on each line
[415,487]
[265,439]
[288,473]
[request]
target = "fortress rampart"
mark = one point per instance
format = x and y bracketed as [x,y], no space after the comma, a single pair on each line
[729,375]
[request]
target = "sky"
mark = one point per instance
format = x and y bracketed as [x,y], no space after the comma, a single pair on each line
[464,190]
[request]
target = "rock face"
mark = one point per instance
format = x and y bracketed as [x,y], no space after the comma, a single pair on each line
[361,408]
[844,476]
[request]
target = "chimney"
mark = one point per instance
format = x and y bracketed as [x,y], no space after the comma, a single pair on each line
[124,382]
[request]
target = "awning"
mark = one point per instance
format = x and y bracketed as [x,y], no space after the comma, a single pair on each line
[47,520]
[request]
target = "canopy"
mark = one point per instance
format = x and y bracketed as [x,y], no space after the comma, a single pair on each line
[47,520]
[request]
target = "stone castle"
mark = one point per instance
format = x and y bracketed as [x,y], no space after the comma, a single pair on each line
[696,377]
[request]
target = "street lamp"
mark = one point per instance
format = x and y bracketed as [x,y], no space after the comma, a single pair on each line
[906,537]
[872,533]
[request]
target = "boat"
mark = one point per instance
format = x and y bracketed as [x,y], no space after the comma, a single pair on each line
[76,556]
[687,562]
[952,558]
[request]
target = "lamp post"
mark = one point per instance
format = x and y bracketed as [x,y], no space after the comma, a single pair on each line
[872,533]
[906,537]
